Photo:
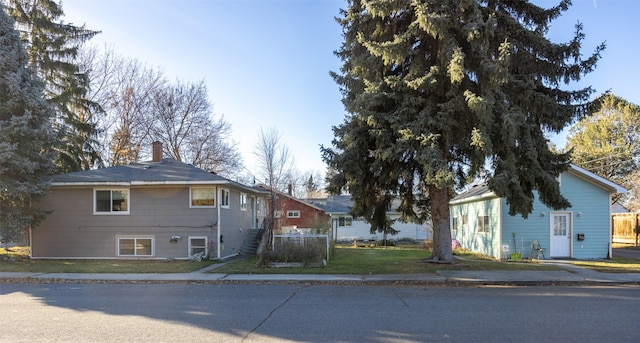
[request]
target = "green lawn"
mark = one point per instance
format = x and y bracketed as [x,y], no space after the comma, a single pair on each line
[378,260]
[407,259]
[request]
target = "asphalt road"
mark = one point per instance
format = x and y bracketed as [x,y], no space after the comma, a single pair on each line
[628,253]
[316,313]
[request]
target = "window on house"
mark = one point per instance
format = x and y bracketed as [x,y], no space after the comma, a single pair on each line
[454,223]
[465,219]
[203,197]
[258,204]
[111,201]
[293,214]
[243,201]
[224,198]
[197,245]
[483,223]
[135,246]
[345,221]
[277,214]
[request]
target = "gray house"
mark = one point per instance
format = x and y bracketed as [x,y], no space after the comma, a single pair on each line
[153,210]
[480,220]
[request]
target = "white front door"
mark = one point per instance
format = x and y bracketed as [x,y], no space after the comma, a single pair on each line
[560,245]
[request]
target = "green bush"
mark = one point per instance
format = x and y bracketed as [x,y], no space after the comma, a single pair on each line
[386,243]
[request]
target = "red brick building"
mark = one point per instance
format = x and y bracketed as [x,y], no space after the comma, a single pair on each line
[290,214]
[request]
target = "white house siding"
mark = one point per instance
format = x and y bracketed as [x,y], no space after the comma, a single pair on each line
[362,230]
[468,236]
[73,231]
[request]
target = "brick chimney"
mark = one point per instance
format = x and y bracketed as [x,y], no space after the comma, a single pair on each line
[157,151]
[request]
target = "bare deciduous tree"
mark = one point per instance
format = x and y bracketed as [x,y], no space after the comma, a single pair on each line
[124,89]
[184,123]
[141,106]
[275,162]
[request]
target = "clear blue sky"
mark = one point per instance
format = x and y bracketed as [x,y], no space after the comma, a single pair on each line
[266,63]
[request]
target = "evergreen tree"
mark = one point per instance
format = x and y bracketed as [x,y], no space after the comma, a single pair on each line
[608,142]
[438,90]
[52,45]
[25,154]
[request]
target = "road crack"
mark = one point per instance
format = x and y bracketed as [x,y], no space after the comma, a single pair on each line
[293,294]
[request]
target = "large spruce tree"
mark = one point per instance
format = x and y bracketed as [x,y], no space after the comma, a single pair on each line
[25,137]
[52,46]
[440,91]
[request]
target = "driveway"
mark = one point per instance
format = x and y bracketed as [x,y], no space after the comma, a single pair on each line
[627,252]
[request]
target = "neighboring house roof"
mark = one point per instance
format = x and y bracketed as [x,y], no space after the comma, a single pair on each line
[166,172]
[267,189]
[483,191]
[617,208]
[342,204]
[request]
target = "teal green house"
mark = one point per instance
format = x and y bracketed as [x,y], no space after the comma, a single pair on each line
[480,221]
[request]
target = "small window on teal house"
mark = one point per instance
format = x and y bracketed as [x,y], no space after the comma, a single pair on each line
[483,224]
[454,224]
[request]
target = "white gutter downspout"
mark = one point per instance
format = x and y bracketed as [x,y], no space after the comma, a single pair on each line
[219,221]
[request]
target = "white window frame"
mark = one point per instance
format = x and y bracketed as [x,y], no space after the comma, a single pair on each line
[224,200]
[277,214]
[191,246]
[111,211]
[243,201]
[454,224]
[135,243]
[293,213]
[483,227]
[345,219]
[191,205]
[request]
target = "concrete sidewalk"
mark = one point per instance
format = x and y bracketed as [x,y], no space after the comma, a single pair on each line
[570,274]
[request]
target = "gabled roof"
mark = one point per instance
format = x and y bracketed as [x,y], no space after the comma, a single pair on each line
[166,172]
[483,191]
[476,192]
[612,187]
[267,189]
[342,204]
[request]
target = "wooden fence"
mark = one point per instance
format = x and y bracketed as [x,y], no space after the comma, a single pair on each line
[626,228]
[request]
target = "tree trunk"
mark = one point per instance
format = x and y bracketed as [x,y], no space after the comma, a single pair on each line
[440,222]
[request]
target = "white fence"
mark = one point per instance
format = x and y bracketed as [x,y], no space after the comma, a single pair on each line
[301,239]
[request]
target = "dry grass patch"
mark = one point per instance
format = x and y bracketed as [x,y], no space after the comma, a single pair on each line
[615,265]
[16,259]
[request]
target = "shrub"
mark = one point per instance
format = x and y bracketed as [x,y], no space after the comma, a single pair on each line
[387,243]
[291,252]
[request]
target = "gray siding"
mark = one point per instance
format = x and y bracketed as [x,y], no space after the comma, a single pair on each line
[72,230]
